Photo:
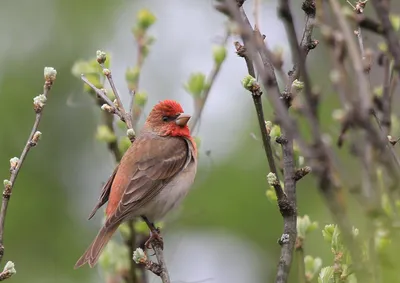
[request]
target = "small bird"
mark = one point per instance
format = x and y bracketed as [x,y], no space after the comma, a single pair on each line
[153,177]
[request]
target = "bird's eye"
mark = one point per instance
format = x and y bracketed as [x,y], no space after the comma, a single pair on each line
[165,118]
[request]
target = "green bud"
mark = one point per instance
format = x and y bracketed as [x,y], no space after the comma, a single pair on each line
[14,163]
[105,134]
[271,195]
[196,84]
[36,137]
[139,256]
[101,56]
[145,19]
[326,275]
[275,132]
[297,85]
[7,184]
[123,144]
[219,54]
[141,99]
[305,226]
[130,133]
[132,76]
[272,179]
[248,82]
[327,232]
[395,20]
[382,47]
[10,267]
[39,102]
[312,267]
[106,72]
[50,74]
[378,91]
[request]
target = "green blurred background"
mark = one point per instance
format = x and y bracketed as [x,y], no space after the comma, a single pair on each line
[227,229]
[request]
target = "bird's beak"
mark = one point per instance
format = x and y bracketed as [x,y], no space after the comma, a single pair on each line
[182,119]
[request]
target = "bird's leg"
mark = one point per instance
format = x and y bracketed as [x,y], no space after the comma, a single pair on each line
[155,235]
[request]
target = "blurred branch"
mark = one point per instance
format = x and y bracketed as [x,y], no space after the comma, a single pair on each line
[16,163]
[219,57]
[145,19]
[301,269]
[306,43]
[382,11]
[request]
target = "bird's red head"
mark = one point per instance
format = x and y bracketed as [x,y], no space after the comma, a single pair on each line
[167,119]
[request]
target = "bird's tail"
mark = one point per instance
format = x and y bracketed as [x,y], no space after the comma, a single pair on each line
[92,254]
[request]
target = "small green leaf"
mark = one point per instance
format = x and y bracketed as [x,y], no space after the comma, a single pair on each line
[105,134]
[312,266]
[327,232]
[326,275]
[141,99]
[248,82]
[145,19]
[305,226]
[219,54]
[395,20]
[196,84]
[123,144]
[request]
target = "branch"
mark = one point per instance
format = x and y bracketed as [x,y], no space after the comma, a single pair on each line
[16,163]
[382,11]
[286,199]
[367,23]
[306,43]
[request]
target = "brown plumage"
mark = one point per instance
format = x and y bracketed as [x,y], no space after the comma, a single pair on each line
[154,175]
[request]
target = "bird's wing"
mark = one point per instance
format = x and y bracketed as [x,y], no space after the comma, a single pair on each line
[105,192]
[157,162]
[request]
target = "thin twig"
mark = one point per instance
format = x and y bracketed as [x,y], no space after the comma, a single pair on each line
[301,269]
[120,106]
[103,96]
[306,43]
[16,164]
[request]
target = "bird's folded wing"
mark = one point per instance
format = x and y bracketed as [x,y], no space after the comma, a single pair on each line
[105,192]
[157,162]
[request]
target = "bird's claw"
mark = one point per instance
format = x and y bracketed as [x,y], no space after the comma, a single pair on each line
[155,238]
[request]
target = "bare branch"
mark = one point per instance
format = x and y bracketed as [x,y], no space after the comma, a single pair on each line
[16,163]
[382,11]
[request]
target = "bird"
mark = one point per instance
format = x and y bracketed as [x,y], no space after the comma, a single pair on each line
[152,178]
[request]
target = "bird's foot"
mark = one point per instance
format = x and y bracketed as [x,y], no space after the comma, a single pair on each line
[155,238]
